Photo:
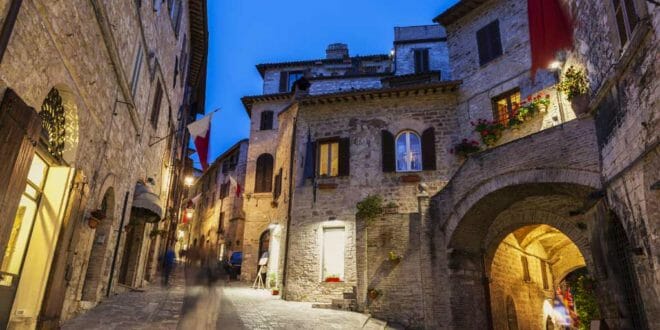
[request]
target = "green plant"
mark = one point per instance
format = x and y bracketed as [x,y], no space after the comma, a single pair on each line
[155,232]
[272,279]
[370,207]
[490,131]
[574,82]
[582,289]
[391,205]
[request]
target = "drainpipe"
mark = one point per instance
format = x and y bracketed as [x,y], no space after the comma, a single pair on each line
[114,255]
[289,207]
[8,27]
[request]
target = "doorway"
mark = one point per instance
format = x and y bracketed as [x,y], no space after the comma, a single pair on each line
[97,258]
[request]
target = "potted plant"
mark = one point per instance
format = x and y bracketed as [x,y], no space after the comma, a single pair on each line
[490,131]
[332,278]
[391,208]
[275,291]
[370,207]
[575,85]
[95,218]
[374,293]
[465,148]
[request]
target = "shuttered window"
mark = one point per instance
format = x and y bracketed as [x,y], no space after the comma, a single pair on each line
[155,111]
[334,157]
[489,42]
[266,122]
[505,105]
[626,19]
[264,175]
[421,60]
[410,152]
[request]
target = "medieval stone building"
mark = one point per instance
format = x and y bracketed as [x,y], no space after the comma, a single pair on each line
[95,95]
[218,220]
[558,184]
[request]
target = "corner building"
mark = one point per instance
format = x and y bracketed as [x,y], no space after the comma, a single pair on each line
[466,241]
[93,94]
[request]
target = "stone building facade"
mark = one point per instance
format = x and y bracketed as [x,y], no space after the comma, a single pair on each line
[470,241]
[218,220]
[94,95]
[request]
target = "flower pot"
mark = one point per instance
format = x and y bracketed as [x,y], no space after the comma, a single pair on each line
[275,292]
[93,222]
[373,294]
[580,104]
[411,178]
[332,280]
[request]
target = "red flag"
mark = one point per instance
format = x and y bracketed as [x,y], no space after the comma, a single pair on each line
[200,131]
[550,30]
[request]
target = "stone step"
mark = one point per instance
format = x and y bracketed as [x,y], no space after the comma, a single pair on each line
[344,304]
[349,295]
[322,306]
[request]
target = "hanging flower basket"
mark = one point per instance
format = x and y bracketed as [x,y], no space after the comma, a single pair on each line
[374,293]
[275,292]
[95,218]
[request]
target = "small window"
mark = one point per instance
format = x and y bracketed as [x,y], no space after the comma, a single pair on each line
[421,60]
[329,158]
[544,275]
[408,152]
[264,174]
[278,185]
[626,19]
[333,253]
[266,122]
[136,70]
[155,111]
[288,78]
[489,42]
[525,267]
[505,105]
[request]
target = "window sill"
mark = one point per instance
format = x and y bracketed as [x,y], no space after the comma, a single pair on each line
[327,186]
[410,178]
[267,194]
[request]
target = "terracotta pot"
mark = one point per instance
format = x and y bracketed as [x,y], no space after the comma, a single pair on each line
[333,279]
[324,186]
[93,222]
[580,104]
[275,292]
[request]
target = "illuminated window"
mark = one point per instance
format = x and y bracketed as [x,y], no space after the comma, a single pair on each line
[505,105]
[333,253]
[19,237]
[329,158]
[408,152]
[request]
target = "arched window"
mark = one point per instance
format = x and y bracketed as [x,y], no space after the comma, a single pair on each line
[266,121]
[53,120]
[408,152]
[263,180]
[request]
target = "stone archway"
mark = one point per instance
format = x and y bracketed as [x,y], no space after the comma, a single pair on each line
[98,257]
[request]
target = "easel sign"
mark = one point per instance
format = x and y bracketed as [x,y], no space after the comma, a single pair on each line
[259,281]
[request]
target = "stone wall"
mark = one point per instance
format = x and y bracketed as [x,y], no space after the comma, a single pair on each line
[87,52]
[314,209]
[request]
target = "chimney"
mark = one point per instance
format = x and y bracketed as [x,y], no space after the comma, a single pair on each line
[336,51]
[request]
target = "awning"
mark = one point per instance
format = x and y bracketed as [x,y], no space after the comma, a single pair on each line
[147,203]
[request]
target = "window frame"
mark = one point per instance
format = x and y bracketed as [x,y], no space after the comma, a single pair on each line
[289,81]
[260,186]
[425,65]
[508,95]
[262,123]
[488,55]
[330,142]
[409,168]
[625,31]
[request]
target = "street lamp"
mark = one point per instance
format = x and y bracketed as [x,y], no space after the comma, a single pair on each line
[188,181]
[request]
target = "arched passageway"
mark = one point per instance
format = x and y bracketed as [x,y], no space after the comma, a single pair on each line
[519,242]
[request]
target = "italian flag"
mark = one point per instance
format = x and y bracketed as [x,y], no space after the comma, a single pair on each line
[200,131]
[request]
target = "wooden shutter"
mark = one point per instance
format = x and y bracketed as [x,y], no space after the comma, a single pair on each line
[310,160]
[489,42]
[278,185]
[344,156]
[284,82]
[264,174]
[425,60]
[20,127]
[388,156]
[428,149]
[418,61]
[51,308]
[266,121]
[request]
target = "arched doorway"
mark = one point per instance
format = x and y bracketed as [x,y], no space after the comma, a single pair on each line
[557,227]
[97,258]
[264,246]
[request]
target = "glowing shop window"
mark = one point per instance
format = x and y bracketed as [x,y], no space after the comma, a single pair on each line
[333,252]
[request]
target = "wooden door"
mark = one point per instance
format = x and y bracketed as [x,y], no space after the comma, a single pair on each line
[20,127]
[51,308]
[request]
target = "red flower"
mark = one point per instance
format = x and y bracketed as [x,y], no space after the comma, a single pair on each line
[529,98]
[547,96]
[484,133]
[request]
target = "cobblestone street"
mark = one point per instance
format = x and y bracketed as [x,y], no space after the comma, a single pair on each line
[227,305]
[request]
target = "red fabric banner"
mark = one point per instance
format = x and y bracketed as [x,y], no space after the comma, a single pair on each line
[202,147]
[550,30]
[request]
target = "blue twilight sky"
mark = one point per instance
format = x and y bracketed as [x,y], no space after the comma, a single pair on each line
[244,33]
